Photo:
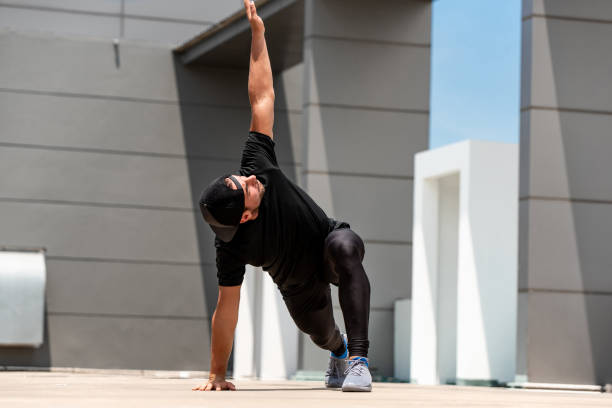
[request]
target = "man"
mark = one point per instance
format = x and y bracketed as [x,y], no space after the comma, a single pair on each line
[261,218]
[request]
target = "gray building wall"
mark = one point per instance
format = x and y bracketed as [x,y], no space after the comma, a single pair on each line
[103,165]
[565,284]
[154,21]
[366,113]
[100,165]
[103,156]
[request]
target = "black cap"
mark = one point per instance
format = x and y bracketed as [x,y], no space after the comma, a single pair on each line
[222,207]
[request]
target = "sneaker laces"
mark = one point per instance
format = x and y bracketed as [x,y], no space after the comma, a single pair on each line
[357,367]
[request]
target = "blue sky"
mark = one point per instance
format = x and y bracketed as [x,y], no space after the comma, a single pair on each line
[475,71]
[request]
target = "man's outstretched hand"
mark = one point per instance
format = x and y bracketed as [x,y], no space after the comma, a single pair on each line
[214,384]
[257,25]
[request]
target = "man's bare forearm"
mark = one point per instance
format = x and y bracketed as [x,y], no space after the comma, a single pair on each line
[260,71]
[223,326]
[261,87]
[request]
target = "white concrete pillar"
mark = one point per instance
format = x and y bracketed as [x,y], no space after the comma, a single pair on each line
[279,335]
[266,339]
[465,263]
[246,339]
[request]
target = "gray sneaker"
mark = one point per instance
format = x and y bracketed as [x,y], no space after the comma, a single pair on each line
[334,376]
[358,377]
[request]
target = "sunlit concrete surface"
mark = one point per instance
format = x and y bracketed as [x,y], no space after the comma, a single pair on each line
[56,389]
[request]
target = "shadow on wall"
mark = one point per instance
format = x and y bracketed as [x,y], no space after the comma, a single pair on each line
[586,145]
[215,115]
[28,356]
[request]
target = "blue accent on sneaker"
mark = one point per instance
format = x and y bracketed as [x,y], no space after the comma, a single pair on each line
[365,360]
[345,354]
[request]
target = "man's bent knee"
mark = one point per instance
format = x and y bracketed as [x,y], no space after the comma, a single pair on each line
[344,244]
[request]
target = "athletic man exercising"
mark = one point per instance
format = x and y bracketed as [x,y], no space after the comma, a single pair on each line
[261,218]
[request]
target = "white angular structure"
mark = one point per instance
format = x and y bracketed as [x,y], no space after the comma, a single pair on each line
[266,341]
[464,290]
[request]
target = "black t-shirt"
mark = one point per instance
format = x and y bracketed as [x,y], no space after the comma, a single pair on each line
[286,238]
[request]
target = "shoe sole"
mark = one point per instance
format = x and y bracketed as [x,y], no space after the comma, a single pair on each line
[357,389]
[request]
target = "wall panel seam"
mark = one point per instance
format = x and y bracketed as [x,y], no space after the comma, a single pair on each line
[363,107]
[566,199]
[94,13]
[571,110]
[96,204]
[367,41]
[566,291]
[126,261]
[126,316]
[567,18]
[358,174]
[188,157]
[171,102]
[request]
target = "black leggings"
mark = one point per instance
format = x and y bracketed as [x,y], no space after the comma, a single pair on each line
[311,308]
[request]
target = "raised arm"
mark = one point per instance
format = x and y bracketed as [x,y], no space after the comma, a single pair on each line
[261,87]
[223,326]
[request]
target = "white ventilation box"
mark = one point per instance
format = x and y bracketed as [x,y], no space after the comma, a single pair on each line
[22,298]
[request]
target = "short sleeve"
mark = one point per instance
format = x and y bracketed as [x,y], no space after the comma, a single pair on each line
[258,154]
[230,269]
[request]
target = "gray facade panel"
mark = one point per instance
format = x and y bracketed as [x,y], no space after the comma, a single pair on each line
[125,289]
[381,342]
[566,215]
[523,244]
[91,123]
[63,23]
[590,9]
[360,84]
[101,232]
[561,49]
[388,269]
[525,153]
[568,339]
[288,88]
[570,155]
[220,133]
[569,246]
[365,141]
[171,33]
[122,126]
[97,177]
[88,67]
[343,197]
[99,6]
[117,343]
[137,343]
[206,11]
[404,21]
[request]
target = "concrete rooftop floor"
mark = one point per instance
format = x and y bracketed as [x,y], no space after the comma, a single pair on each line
[59,389]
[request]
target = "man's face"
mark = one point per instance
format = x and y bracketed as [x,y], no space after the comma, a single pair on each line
[253,192]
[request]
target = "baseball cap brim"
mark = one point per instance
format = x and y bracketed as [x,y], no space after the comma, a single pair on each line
[224,232]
